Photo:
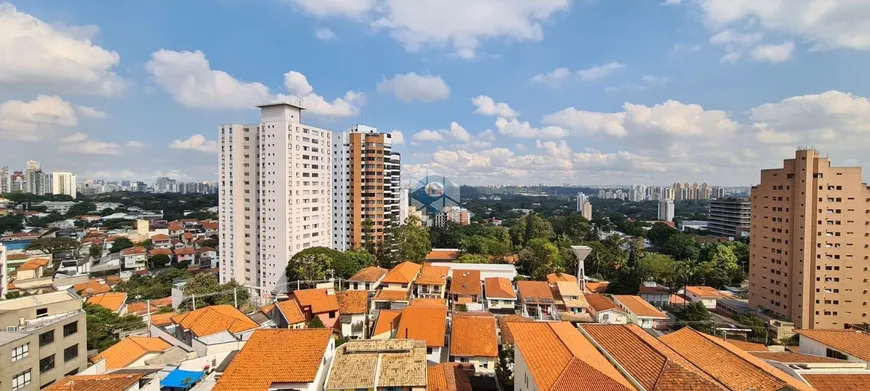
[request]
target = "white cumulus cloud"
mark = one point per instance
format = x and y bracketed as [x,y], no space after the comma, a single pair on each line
[324,34]
[774,53]
[302,93]
[487,106]
[197,142]
[414,87]
[36,119]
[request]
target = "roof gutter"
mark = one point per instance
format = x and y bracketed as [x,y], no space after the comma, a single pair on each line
[612,360]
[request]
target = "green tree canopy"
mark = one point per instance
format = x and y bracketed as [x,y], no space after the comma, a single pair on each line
[54,245]
[411,242]
[530,227]
[104,325]
[659,268]
[81,208]
[120,244]
[659,234]
[574,227]
[310,266]
[159,261]
[207,283]
[539,258]
[473,258]
[696,316]
[682,247]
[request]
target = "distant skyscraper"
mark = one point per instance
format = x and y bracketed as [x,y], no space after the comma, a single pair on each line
[666,210]
[63,183]
[602,193]
[4,180]
[729,217]
[584,207]
[809,244]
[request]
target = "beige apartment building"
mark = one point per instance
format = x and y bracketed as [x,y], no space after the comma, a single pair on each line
[43,338]
[810,243]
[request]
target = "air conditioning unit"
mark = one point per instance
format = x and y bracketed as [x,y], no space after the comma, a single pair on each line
[14,328]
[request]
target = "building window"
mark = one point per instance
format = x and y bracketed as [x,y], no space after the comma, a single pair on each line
[21,380]
[835,354]
[41,312]
[46,338]
[70,329]
[20,352]
[71,352]
[46,364]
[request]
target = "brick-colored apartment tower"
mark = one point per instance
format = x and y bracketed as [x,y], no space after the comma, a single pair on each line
[810,242]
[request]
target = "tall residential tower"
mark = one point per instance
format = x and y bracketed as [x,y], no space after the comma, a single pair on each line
[275,196]
[366,187]
[810,243]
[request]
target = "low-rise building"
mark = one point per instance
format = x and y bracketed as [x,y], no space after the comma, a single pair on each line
[398,364]
[500,294]
[115,302]
[185,254]
[367,279]
[474,340]
[553,278]
[449,377]
[276,359]
[385,324]
[161,241]
[569,299]
[287,315]
[849,345]
[465,288]
[32,268]
[729,365]
[550,356]
[604,310]
[432,282]
[213,329]
[44,340]
[639,311]
[703,294]
[655,294]
[428,323]
[134,258]
[536,300]
[92,287]
[138,381]
[353,309]
[131,352]
[321,303]
[396,286]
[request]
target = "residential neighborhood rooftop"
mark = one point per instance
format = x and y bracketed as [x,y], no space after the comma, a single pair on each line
[553,278]
[638,306]
[465,283]
[473,336]
[111,301]
[107,382]
[852,342]
[432,275]
[130,349]
[403,273]
[214,319]
[424,323]
[532,292]
[369,274]
[499,288]
[352,302]
[378,363]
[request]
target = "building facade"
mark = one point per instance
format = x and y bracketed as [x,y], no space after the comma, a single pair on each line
[729,217]
[4,180]
[275,196]
[666,210]
[366,187]
[63,183]
[584,207]
[44,340]
[810,243]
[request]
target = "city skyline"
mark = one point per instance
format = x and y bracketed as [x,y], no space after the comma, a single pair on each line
[705,94]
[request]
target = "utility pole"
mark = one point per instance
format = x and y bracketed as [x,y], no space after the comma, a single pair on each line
[194,302]
[235,298]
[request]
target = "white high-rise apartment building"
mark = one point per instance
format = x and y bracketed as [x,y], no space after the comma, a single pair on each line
[584,207]
[4,180]
[63,183]
[637,193]
[366,186]
[666,210]
[275,195]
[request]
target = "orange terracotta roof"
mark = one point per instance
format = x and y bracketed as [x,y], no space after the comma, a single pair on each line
[175,226]
[266,309]
[658,289]
[130,349]
[728,364]
[133,251]
[838,381]
[443,255]
[466,283]
[851,342]
[532,292]
[160,251]
[319,301]
[92,287]
[369,274]
[33,264]
[599,302]
[159,237]
[553,278]
[429,302]
[162,302]
[506,335]
[187,236]
[205,250]
[474,336]
[560,358]
[654,365]
[677,300]
[795,358]
[597,287]
[704,292]
[432,275]
[163,319]
[276,356]
[139,308]
[387,321]
[210,225]
[448,377]
[352,302]
[185,251]
[120,382]
[112,301]
[214,319]
[391,295]
[403,273]
[290,310]
[16,257]
[499,288]
[425,323]
[638,306]
[748,346]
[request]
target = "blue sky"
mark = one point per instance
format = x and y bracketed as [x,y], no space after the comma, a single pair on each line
[486,91]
